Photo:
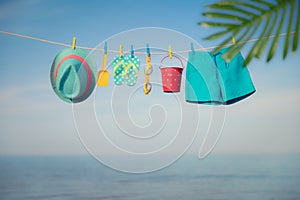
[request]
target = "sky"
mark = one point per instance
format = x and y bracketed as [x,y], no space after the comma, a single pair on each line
[34,121]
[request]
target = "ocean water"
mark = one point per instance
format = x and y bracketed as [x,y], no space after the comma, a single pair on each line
[219,177]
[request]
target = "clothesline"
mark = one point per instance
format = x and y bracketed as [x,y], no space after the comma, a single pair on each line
[117,51]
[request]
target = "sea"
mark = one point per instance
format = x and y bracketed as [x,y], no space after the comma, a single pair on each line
[217,177]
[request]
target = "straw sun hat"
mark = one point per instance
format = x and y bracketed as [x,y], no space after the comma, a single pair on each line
[73,75]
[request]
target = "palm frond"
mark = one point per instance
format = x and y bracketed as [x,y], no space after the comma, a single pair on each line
[275,41]
[264,41]
[231,8]
[244,19]
[295,41]
[233,51]
[225,16]
[287,38]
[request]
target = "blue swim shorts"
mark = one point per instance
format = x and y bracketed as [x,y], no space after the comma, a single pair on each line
[211,80]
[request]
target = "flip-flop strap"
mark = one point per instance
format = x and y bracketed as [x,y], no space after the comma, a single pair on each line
[133,66]
[118,65]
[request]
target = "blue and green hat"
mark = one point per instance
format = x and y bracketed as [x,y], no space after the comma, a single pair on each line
[73,75]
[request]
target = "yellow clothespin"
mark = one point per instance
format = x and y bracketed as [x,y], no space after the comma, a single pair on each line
[233,40]
[74,43]
[121,50]
[170,51]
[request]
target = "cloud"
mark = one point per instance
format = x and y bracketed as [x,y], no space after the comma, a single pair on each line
[26,99]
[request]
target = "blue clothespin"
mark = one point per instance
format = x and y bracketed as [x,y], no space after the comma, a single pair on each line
[132,51]
[105,48]
[192,47]
[148,50]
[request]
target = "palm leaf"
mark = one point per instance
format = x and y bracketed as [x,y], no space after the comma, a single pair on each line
[233,51]
[295,41]
[264,42]
[275,41]
[287,38]
[244,19]
[225,16]
[231,8]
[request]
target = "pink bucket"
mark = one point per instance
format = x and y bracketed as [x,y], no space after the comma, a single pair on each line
[171,76]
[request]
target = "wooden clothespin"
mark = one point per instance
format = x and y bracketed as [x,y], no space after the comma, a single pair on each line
[74,43]
[170,51]
[121,50]
[233,40]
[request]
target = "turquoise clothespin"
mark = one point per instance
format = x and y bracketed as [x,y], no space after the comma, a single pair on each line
[192,47]
[148,49]
[105,48]
[132,51]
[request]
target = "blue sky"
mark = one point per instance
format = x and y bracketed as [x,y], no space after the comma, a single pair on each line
[34,121]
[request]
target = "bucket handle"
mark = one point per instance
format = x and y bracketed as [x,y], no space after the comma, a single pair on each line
[174,56]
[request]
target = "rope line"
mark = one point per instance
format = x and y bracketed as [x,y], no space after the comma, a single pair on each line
[137,52]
